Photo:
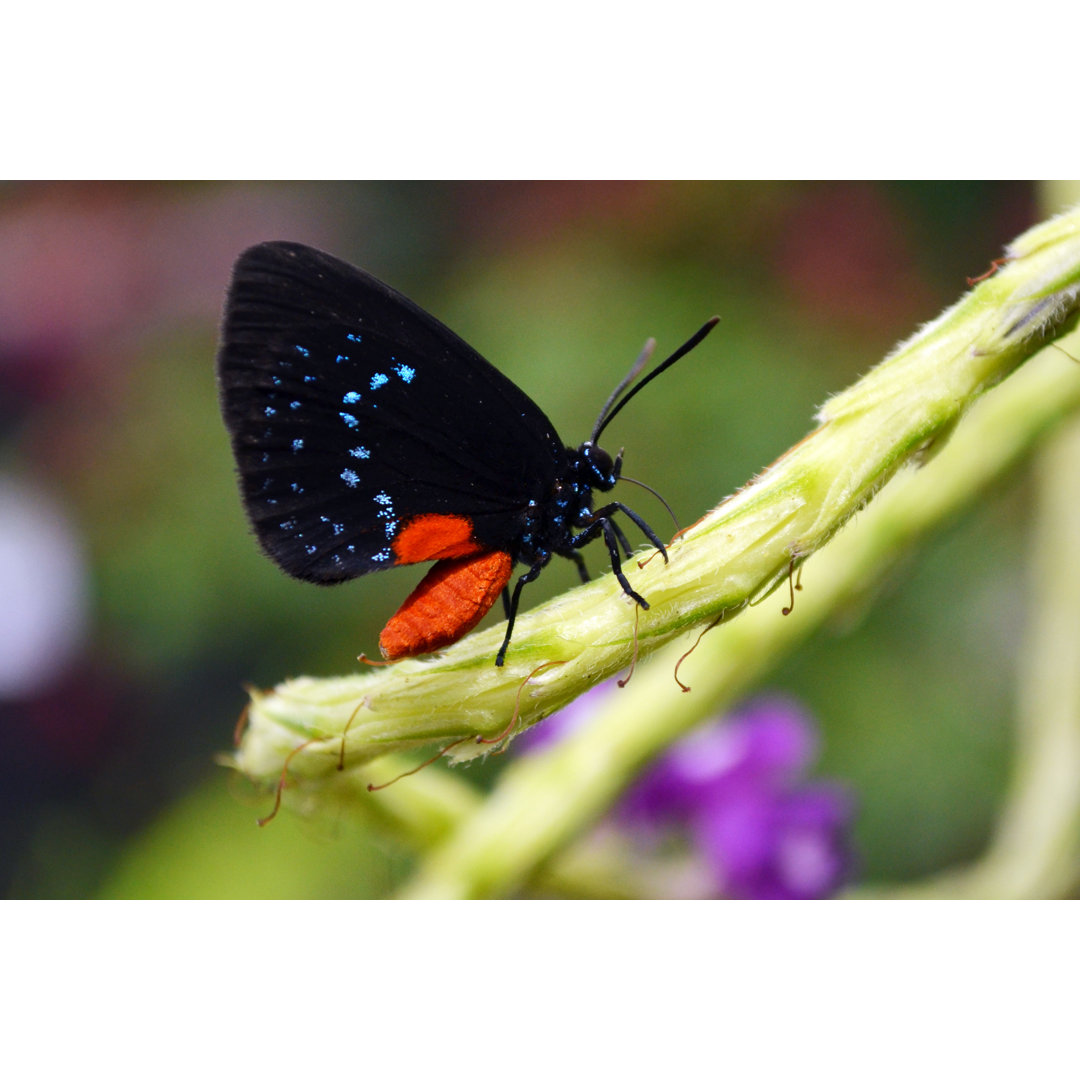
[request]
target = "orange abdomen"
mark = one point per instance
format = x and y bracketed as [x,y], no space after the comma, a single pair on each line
[453,597]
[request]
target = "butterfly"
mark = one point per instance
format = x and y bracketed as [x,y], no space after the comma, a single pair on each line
[367,435]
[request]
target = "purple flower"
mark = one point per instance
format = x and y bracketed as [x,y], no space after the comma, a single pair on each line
[776,844]
[737,787]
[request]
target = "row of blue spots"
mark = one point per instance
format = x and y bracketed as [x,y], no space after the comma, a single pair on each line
[350,398]
[387,514]
[527,537]
[402,371]
[344,358]
[338,528]
[271,411]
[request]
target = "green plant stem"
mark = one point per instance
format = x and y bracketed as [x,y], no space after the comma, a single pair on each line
[499,848]
[1036,849]
[544,800]
[899,412]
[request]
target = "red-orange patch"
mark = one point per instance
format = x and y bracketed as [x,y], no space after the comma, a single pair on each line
[453,597]
[434,536]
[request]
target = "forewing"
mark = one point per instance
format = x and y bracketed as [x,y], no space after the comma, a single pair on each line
[352,412]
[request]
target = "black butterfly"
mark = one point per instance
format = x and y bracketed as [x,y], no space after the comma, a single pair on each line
[368,435]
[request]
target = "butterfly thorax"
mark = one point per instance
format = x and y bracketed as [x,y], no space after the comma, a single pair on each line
[551,522]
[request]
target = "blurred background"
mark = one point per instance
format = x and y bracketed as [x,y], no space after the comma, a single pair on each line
[135,606]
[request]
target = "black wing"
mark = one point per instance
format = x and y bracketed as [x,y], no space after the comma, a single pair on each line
[352,411]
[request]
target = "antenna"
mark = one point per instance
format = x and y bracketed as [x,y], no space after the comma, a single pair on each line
[631,480]
[643,358]
[609,411]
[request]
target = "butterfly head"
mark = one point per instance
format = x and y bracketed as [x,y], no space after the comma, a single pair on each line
[594,466]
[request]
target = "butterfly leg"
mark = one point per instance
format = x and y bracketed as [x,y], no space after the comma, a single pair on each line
[622,538]
[612,543]
[530,575]
[582,569]
[613,536]
[605,513]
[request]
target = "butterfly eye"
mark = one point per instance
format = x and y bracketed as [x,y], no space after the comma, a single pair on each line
[599,465]
[601,461]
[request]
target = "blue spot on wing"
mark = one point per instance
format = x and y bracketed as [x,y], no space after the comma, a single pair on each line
[387,514]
